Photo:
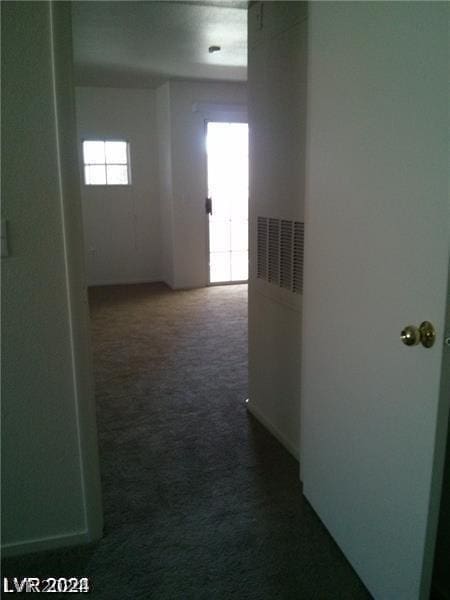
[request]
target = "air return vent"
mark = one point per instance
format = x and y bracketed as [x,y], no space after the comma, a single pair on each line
[299,245]
[274,250]
[280,250]
[286,255]
[262,271]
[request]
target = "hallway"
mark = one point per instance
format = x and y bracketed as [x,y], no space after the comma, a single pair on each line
[200,501]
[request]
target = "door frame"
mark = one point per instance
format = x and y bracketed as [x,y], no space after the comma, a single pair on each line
[217,118]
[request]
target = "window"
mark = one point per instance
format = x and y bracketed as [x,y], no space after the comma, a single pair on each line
[106,162]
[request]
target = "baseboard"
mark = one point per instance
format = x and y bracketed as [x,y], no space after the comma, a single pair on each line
[102,283]
[49,543]
[273,430]
[173,287]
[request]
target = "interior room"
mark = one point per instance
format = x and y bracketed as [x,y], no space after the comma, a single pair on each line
[225,301]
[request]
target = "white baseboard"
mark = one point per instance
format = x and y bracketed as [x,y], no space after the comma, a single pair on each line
[49,543]
[273,430]
[127,282]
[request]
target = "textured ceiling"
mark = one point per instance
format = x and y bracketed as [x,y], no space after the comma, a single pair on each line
[143,43]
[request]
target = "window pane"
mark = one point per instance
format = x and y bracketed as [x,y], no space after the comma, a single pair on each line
[94,153]
[239,235]
[95,174]
[239,266]
[117,174]
[219,267]
[220,202]
[219,235]
[116,152]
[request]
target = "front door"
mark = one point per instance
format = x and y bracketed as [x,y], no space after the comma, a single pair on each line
[227,203]
[376,249]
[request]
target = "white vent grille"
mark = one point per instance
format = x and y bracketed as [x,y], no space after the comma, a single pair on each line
[280,252]
[299,245]
[286,255]
[262,248]
[274,251]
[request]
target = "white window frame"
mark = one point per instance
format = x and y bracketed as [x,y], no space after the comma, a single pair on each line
[105,164]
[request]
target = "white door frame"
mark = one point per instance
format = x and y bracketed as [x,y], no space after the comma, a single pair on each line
[218,118]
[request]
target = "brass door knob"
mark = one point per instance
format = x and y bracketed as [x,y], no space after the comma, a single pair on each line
[410,336]
[425,334]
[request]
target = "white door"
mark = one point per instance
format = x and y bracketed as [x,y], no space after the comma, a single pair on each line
[227,156]
[376,234]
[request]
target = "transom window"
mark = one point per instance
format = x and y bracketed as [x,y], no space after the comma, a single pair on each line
[106,162]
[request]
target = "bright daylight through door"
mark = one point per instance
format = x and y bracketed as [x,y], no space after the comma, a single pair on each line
[227,150]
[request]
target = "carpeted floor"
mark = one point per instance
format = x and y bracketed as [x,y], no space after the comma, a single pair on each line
[200,501]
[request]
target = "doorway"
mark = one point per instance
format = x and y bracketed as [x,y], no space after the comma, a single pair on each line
[227,202]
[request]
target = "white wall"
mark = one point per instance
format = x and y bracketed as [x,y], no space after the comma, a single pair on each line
[277,122]
[122,223]
[50,476]
[188,169]
[156,229]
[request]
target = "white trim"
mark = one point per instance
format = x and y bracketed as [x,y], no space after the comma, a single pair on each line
[82,375]
[66,265]
[214,108]
[47,543]
[219,283]
[273,430]
[104,282]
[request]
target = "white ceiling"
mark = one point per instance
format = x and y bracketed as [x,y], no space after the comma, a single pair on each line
[143,43]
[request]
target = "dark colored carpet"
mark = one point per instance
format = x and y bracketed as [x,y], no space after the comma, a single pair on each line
[200,501]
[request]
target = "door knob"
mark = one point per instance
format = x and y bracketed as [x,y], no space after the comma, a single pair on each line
[425,334]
